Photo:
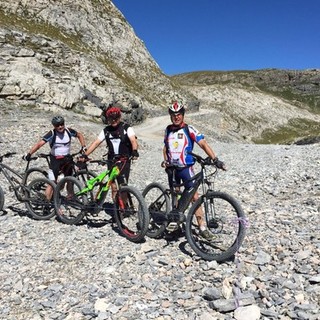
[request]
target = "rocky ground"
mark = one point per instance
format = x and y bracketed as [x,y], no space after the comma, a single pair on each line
[54,271]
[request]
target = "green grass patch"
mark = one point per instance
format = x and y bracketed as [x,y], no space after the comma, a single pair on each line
[295,129]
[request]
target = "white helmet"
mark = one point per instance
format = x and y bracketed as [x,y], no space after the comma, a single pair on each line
[176,107]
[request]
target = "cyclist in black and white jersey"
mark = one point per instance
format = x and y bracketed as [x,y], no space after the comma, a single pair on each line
[120,140]
[60,143]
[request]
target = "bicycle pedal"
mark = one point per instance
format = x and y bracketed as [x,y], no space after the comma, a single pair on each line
[172,226]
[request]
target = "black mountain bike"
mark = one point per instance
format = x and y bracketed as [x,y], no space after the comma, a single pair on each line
[222,213]
[32,193]
[74,199]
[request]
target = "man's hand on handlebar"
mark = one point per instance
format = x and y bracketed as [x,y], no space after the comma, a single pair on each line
[83,158]
[219,164]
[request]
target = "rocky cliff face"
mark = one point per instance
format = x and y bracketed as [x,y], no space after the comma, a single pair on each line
[77,55]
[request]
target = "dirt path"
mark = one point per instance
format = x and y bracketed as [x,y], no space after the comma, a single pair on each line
[153,128]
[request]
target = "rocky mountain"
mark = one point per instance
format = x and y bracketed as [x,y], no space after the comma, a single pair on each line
[77,55]
[82,55]
[263,106]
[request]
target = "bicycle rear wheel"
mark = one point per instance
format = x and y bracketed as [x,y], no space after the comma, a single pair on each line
[225,221]
[69,204]
[131,213]
[33,173]
[1,198]
[39,199]
[158,204]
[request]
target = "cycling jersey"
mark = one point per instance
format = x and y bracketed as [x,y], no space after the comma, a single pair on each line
[179,141]
[60,142]
[117,139]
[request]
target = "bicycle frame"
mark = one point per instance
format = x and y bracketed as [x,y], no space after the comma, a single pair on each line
[187,194]
[14,178]
[98,180]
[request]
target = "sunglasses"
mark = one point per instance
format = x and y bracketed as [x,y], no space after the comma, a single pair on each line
[59,125]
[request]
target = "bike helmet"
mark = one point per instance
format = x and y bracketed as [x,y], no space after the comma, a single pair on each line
[113,113]
[57,120]
[176,107]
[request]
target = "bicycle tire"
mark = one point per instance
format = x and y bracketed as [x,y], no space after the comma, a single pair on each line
[38,205]
[158,204]
[1,198]
[131,213]
[69,210]
[225,220]
[33,173]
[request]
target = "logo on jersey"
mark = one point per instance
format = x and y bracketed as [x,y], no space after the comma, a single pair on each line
[175,144]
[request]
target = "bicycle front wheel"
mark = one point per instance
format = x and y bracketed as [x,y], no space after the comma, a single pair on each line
[131,213]
[158,204]
[39,199]
[69,203]
[226,226]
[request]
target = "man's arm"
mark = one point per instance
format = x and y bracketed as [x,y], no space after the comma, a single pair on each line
[134,142]
[37,146]
[207,149]
[93,146]
[81,139]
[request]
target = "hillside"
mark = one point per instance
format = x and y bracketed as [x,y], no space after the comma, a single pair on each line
[81,55]
[263,106]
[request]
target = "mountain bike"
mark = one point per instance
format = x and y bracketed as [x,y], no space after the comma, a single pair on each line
[33,193]
[223,214]
[73,200]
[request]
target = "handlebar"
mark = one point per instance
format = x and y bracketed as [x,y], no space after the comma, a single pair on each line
[208,161]
[7,155]
[117,159]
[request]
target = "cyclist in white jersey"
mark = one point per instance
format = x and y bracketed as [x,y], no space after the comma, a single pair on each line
[60,143]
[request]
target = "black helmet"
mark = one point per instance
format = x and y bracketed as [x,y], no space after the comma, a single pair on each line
[57,120]
[176,107]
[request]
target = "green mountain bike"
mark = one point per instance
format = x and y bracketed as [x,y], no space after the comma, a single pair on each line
[74,199]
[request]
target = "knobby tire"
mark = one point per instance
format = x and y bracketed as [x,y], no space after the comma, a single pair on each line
[131,213]
[225,220]
[70,207]
[38,205]
[33,173]
[158,205]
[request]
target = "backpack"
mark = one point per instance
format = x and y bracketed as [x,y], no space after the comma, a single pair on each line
[125,143]
[54,134]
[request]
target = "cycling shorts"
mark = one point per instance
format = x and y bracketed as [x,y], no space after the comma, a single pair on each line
[179,175]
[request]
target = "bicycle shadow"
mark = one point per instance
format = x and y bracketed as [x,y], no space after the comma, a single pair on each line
[19,211]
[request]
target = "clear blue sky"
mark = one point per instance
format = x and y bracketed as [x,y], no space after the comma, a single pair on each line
[194,35]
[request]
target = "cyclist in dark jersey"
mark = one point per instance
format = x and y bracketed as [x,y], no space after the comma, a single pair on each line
[179,139]
[120,140]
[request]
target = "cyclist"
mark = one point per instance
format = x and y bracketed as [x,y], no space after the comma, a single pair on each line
[179,139]
[120,139]
[60,143]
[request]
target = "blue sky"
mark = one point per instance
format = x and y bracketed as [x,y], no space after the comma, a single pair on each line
[189,35]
